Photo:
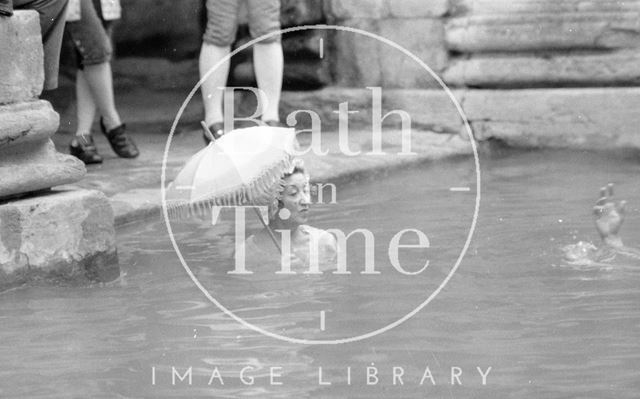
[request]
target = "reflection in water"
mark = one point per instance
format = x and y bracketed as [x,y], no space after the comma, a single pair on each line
[551,332]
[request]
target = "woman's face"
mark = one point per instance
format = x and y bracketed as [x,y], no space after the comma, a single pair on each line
[295,199]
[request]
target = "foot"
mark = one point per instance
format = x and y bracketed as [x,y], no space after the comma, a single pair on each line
[83,148]
[216,129]
[121,143]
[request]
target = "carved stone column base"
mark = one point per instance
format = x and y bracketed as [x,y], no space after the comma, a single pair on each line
[28,159]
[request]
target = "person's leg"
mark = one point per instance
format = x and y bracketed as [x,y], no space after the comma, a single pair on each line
[86,107]
[82,146]
[212,93]
[99,81]
[93,45]
[222,20]
[268,62]
[52,21]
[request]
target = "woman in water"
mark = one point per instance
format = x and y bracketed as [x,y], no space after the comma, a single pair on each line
[288,214]
[609,216]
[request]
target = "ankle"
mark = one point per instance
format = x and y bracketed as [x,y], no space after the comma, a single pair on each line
[111,123]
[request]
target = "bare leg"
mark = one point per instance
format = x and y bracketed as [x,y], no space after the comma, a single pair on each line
[86,111]
[100,82]
[268,63]
[212,88]
[82,146]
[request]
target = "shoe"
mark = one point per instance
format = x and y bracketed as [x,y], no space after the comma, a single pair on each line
[120,141]
[217,129]
[83,148]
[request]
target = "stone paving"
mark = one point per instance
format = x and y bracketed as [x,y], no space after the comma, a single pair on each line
[133,185]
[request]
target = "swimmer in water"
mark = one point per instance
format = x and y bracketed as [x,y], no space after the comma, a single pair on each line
[288,215]
[609,216]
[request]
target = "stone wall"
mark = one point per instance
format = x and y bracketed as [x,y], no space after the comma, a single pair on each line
[533,43]
[470,43]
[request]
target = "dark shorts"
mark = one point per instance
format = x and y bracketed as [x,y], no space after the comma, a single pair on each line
[91,35]
[222,20]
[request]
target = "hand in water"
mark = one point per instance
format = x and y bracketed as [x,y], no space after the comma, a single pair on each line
[609,216]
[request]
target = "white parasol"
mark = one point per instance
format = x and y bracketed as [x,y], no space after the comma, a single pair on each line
[242,168]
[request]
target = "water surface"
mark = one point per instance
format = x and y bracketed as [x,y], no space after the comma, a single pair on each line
[546,329]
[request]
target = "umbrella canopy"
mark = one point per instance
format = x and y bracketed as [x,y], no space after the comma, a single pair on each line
[243,167]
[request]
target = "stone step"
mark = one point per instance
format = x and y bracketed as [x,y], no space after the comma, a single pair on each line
[20,57]
[478,7]
[585,118]
[66,237]
[597,118]
[549,31]
[555,69]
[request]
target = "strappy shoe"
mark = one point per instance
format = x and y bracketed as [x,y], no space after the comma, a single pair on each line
[121,143]
[83,148]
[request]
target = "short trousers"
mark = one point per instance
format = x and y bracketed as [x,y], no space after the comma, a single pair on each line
[91,35]
[222,20]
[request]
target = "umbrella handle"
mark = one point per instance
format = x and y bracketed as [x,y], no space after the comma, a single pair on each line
[273,236]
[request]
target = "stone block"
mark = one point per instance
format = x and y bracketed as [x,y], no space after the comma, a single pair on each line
[21,60]
[63,236]
[300,12]
[594,118]
[26,122]
[360,60]
[557,31]
[429,109]
[354,9]
[355,59]
[160,28]
[417,8]
[479,7]
[378,9]
[498,70]
[424,38]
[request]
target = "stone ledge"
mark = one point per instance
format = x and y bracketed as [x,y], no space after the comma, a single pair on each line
[478,7]
[523,32]
[64,236]
[598,118]
[22,54]
[551,70]
[578,118]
